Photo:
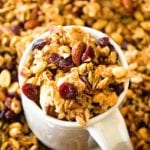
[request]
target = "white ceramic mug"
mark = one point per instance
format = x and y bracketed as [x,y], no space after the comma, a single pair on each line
[108,129]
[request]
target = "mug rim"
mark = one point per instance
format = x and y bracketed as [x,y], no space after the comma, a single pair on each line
[95,33]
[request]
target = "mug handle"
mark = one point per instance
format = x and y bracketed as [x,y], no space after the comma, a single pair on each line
[111,133]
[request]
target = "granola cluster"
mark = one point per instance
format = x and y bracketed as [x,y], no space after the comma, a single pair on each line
[125,21]
[73,75]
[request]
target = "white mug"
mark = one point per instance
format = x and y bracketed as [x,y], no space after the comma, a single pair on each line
[107,129]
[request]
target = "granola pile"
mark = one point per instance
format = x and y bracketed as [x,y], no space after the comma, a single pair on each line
[73,75]
[125,21]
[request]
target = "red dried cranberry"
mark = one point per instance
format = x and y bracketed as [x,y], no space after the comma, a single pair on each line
[67,91]
[88,53]
[10,66]
[111,47]
[118,88]
[55,58]
[66,64]
[13,94]
[40,43]
[14,76]
[2,113]
[16,29]
[9,114]
[31,91]
[103,41]
[8,102]
[124,45]
[1,4]
[49,1]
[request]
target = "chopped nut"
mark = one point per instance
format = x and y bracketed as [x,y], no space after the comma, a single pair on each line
[39,67]
[5,78]
[31,24]
[119,72]
[16,106]
[15,129]
[128,5]
[77,51]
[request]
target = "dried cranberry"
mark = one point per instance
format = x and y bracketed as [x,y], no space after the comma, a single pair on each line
[14,76]
[1,4]
[66,64]
[124,45]
[8,102]
[53,71]
[40,43]
[31,91]
[101,60]
[16,29]
[2,113]
[49,1]
[88,53]
[85,80]
[55,58]
[9,114]
[118,88]
[13,94]
[9,147]
[67,91]
[103,41]
[10,66]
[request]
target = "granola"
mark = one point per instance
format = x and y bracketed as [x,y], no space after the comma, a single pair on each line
[74,73]
[111,17]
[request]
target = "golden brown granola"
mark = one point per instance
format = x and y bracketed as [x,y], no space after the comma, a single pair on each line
[130,30]
[76,55]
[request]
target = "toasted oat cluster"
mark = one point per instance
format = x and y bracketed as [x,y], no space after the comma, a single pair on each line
[72,75]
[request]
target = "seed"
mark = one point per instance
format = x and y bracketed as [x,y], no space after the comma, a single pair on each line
[31,91]
[67,91]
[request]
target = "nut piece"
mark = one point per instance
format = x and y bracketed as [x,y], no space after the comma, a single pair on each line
[15,129]
[128,5]
[16,106]
[77,51]
[31,24]
[5,78]
[119,72]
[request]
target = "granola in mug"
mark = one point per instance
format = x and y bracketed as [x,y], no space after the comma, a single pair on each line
[72,75]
